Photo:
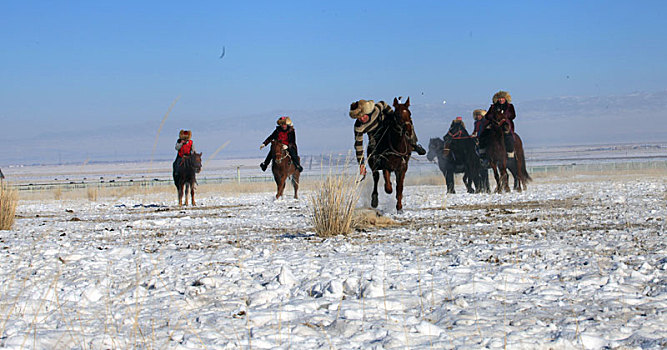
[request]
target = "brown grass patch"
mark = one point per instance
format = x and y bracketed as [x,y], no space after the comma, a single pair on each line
[364,219]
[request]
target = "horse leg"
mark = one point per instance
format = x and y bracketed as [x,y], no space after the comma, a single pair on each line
[180,194]
[497,177]
[449,178]
[192,193]
[295,183]
[387,181]
[281,186]
[468,180]
[400,177]
[504,179]
[374,195]
[185,192]
[486,186]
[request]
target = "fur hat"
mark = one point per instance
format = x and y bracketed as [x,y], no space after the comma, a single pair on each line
[478,112]
[361,107]
[284,120]
[184,134]
[502,94]
[458,120]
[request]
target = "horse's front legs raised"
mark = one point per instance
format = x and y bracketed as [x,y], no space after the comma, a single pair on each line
[387,181]
[374,195]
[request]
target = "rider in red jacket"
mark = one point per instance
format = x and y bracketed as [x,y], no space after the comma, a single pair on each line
[285,134]
[184,146]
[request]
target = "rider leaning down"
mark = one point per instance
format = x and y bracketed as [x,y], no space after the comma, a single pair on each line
[369,117]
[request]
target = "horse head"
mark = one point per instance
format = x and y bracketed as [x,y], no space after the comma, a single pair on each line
[196,162]
[403,115]
[279,151]
[457,130]
[435,145]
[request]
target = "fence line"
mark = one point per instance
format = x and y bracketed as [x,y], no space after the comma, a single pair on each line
[421,169]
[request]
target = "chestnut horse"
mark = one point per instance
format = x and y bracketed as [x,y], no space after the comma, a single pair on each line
[283,167]
[499,162]
[185,177]
[392,152]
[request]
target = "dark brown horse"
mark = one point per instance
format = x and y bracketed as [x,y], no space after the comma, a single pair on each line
[392,152]
[499,162]
[185,177]
[283,167]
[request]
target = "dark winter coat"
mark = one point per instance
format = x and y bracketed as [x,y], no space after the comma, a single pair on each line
[280,134]
[500,113]
[479,127]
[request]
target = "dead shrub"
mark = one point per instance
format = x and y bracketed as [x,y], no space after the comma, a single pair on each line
[333,203]
[8,200]
[91,193]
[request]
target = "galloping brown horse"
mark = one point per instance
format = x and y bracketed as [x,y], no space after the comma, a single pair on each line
[185,177]
[499,162]
[392,152]
[282,168]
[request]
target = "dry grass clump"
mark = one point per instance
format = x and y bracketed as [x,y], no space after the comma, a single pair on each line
[92,192]
[364,218]
[57,193]
[8,200]
[333,203]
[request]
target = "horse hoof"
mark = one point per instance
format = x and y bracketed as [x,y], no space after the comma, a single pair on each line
[388,190]
[374,202]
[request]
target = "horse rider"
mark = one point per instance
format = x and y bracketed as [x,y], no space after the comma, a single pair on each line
[369,116]
[184,146]
[287,136]
[502,113]
[480,123]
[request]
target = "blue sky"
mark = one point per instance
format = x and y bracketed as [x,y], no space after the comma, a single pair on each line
[77,66]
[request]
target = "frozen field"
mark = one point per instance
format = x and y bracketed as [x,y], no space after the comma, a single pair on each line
[572,263]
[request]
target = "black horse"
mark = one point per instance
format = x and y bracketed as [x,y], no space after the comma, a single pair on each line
[456,154]
[185,176]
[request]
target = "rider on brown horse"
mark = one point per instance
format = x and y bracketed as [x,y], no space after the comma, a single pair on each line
[184,146]
[287,136]
[369,118]
[502,114]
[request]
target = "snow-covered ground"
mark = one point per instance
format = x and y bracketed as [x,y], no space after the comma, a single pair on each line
[570,263]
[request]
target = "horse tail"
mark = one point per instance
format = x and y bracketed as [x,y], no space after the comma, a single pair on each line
[525,174]
[519,149]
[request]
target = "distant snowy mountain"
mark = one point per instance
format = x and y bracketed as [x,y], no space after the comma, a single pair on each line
[637,117]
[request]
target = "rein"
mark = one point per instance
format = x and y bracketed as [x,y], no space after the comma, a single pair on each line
[458,135]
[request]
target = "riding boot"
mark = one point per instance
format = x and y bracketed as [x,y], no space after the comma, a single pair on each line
[509,145]
[175,167]
[416,147]
[266,162]
[295,159]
